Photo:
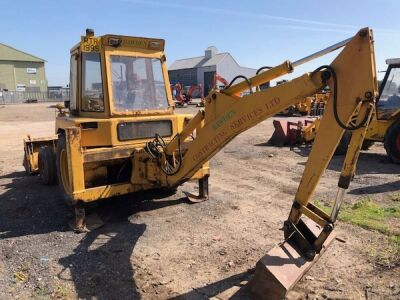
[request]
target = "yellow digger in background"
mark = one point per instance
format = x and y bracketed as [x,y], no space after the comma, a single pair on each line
[121,135]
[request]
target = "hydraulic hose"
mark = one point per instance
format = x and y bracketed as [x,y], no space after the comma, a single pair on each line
[351,127]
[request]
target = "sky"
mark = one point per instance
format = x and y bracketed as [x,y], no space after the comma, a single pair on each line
[256,33]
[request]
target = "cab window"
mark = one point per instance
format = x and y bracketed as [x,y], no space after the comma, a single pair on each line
[92,85]
[137,84]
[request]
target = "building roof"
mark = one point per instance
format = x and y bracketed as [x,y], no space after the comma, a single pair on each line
[196,62]
[9,53]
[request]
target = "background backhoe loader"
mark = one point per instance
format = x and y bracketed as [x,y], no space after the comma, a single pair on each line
[121,135]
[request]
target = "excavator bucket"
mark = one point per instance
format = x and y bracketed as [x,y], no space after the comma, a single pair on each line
[284,265]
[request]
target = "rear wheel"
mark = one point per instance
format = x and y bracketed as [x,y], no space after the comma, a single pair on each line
[47,165]
[63,171]
[392,143]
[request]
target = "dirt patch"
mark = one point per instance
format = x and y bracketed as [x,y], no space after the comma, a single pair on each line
[158,246]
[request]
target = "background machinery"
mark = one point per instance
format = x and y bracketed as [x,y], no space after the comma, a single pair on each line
[384,126]
[217,78]
[184,96]
[121,135]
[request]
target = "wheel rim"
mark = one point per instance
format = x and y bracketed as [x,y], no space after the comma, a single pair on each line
[64,170]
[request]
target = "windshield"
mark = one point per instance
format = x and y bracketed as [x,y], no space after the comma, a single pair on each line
[137,83]
[389,100]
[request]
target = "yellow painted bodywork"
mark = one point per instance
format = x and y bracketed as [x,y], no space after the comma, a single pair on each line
[377,128]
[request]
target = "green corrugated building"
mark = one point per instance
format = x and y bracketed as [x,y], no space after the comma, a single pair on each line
[20,71]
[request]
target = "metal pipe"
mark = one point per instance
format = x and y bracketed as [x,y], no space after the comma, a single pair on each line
[337,204]
[275,72]
[285,68]
[321,52]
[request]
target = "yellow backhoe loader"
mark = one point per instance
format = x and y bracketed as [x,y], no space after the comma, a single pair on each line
[121,135]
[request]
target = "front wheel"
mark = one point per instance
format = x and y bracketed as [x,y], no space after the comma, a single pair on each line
[392,143]
[63,170]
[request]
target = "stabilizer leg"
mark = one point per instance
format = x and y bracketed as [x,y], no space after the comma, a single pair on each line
[203,191]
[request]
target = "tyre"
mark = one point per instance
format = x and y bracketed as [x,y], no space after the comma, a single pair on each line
[367,144]
[343,144]
[392,143]
[47,165]
[62,170]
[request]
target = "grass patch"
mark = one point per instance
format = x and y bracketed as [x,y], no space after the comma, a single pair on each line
[366,214]
[370,215]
